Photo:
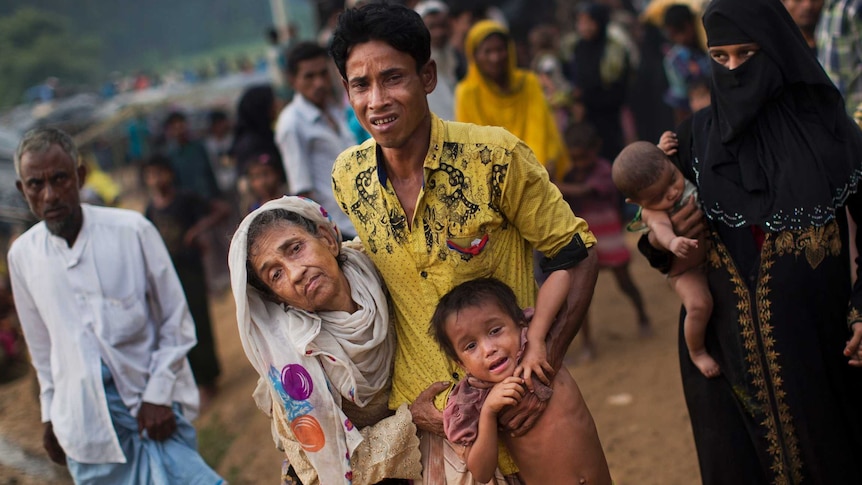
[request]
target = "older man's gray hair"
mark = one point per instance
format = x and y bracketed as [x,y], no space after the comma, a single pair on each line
[39,140]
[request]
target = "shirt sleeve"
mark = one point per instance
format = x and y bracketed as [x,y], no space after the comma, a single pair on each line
[536,207]
[174,325]
[36,335]
[293,149]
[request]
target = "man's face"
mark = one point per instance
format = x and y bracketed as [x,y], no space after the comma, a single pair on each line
[805,13]
[386,92]
[438,26]
[177,130]
[50,182]
[312,80]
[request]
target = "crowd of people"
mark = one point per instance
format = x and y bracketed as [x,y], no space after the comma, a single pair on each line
[413,216]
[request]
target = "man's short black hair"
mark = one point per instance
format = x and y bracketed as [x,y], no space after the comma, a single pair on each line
[216,115]
[677,17]
[173,117]
[396,25]
[468,295]
[303,51]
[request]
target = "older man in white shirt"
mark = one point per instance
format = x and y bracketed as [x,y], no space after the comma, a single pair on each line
[108,329]
[312,131]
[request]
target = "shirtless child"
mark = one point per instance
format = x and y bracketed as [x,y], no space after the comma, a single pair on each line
[647,177]
[480,326]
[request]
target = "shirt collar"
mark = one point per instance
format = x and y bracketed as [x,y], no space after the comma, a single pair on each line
[432,158]
[306,109]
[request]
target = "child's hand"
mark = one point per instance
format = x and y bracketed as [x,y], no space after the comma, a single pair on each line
[682,246]
[506,393]
[535,363]
[668,143]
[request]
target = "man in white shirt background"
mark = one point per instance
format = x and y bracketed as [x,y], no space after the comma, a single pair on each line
[312,131]
[107,326]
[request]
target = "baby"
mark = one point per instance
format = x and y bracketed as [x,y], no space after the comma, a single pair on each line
[647,177]
[480,326]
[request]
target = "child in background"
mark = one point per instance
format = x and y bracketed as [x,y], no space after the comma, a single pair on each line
[265,175]
[479,325]
[182,218]
[590,191]
[645,174]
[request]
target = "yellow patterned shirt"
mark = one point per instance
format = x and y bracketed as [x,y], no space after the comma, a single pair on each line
[485,203]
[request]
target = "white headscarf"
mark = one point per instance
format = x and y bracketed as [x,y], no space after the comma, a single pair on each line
[310,361]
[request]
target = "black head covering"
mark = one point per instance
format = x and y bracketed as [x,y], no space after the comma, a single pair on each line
[253,133]
[586,68]
[776,149]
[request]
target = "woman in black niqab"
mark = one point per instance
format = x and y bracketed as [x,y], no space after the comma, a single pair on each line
[777,163]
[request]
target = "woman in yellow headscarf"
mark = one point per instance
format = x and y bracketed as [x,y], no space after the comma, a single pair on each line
[495,92]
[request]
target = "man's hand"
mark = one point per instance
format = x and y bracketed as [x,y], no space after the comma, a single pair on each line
[426,416]
[157,420]
[52,446]
[853,349]
[688,221]
[517,420]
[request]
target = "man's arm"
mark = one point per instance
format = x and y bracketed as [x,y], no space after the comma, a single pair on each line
[39,345]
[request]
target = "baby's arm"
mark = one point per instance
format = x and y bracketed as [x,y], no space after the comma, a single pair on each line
[482,456]
[549,300]
[660,225]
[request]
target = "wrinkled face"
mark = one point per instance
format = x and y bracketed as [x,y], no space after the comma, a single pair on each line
[388,94]
[492,58]
[733,55]
[438,26]
[50,182]
[587,28]
[805,13]
[665,192]
[300,268]
[312,80]
[486,341]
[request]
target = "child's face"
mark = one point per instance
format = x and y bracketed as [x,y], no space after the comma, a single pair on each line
[263,181]
[665,192]
[582,161]
[698,98]
[158,178]
[486,341]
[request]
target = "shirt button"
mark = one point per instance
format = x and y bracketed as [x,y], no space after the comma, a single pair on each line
[455,376]
[423,274]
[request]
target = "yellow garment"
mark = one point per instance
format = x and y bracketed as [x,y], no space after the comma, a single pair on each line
[523,111]
[101,183]
[479,182]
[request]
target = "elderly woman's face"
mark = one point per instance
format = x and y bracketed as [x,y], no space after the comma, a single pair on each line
[300,268]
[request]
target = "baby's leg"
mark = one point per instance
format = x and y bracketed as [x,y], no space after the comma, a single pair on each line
[692,288]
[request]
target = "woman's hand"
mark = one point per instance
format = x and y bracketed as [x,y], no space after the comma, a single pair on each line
[426,416]
[688,221]
[853,350]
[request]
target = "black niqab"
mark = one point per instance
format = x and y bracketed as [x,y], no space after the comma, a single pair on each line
[776,149]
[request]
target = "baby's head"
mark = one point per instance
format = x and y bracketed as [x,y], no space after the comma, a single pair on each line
[647,177]
[478,325]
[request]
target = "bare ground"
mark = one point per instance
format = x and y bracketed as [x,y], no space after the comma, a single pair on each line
[632,388]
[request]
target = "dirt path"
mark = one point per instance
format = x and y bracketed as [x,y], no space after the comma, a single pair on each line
[633,390]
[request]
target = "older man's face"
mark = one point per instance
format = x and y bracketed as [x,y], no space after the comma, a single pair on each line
[50,182]
[805,13]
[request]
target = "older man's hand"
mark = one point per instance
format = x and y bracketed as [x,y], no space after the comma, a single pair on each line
[158,421]
[517,420]
[426,416]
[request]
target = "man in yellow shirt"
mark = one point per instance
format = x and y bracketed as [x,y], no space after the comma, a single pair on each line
[437,203]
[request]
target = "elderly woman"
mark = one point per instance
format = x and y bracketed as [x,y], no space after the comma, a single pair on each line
[314,322]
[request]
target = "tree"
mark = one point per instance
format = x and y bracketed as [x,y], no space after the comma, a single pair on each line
[36,44]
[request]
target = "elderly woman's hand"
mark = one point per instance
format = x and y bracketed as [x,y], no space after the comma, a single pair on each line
[426,416]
